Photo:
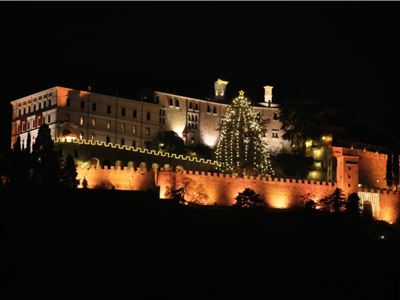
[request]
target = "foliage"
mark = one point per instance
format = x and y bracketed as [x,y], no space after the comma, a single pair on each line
[69,173]
[200,150]
[302,120]
[333,202]
[292,165]
[249,199]
[310,205]
[178,195]
[19,166]
[45,161]
[104,185]
[240,147]
[353,204]
[170,141]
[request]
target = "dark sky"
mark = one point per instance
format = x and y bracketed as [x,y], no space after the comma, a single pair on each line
[341,53]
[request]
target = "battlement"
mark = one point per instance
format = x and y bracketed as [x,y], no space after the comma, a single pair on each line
[379,191]
[138,150]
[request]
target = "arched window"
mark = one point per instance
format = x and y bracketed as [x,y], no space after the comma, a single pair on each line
[208,108]
[215,110]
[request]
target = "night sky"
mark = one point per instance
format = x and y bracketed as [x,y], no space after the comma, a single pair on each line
[346,54]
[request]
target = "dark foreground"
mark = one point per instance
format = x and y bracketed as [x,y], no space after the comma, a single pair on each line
[117,245]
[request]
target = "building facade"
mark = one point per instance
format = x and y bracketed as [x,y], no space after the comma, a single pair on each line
[76,114]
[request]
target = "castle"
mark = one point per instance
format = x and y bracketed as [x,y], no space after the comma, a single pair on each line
[84,118]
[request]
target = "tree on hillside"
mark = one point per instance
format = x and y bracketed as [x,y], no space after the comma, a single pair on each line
[303,120]
[170,141]
[249,199]
[69,174]
[334,202]
[240,147]
[353,204]
[45,161]
[19,166]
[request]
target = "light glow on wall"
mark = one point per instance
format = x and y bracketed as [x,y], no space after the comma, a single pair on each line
[281,201]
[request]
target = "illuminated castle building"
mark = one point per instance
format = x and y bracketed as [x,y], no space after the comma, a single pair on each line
[75,114]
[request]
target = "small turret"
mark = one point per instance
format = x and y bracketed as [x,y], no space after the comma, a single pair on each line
[268,94]
[220,86]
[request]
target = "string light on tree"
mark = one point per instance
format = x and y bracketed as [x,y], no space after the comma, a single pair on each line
[240,149]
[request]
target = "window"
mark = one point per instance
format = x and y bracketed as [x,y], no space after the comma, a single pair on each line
[25,110]
[349,168]
[48,118]
[148,116]
[49,103]
[122,127]
[176,102]
[134,129]
[40,105]
[81,121]
[29,125]
[134,113]
[67,118]
[196,107]
[81,135]
[50,94]
[68,102]
[107,139]
[44,105]
[274,134]
[208,108]
[29,109]
[134,143]
[348,185]
[109,109]
[34,123]
[93,106]
[170,102]
[275,116]
[92,137]
[34,107]
[215,110]
[108,125]
[123,112]
[147,131]
[19,129]
[20,113]
[82,104]
[349,176]
[93,122]
[39,121]
[190,105]
[122,141]
[158,99]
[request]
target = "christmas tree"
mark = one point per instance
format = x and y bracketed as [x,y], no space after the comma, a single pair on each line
[241,149]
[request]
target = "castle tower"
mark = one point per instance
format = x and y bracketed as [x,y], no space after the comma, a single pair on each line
[268,94]
[346,171]
[220,86]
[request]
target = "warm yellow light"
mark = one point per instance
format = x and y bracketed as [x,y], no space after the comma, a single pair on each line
[281,201]
[241,93]
[220,81]
[308,143]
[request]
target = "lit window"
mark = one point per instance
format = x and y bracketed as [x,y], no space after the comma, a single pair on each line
[147,131]
[81,120]
[122,127]
[108,125]
[93,122]
[80,135]
[134,129]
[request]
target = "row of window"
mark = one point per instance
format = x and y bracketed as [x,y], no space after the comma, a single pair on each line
[192,106]
[108,125]
[35,123]
[35,107]
[123,109]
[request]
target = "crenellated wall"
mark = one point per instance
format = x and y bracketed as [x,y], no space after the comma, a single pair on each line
[134,179]
[214,188]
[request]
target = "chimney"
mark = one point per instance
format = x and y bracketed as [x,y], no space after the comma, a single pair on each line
[220,86]
[268,94]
